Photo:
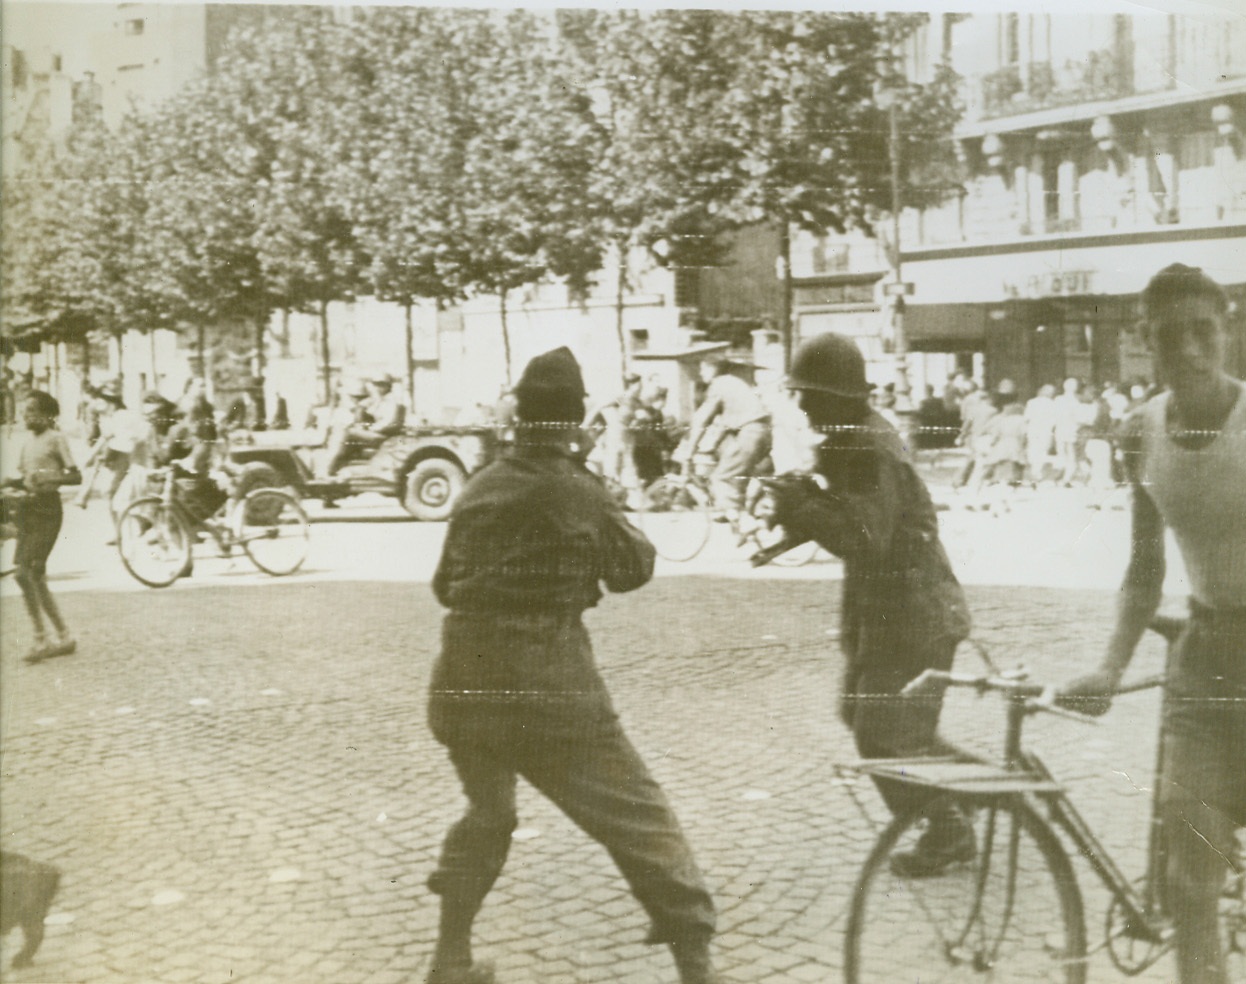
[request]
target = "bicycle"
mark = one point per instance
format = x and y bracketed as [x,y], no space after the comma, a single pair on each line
[675,512]
[156,534]
[1015,912]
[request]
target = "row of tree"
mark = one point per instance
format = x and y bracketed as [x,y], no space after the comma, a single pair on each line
[419,154]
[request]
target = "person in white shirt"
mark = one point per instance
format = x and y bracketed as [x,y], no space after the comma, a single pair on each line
[1184,452]
[744,418]
[1040,427]
[121,429]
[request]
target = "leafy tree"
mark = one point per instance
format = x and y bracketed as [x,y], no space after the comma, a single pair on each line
[527,166]
[72,216]
[656,84]
[284,98]
[402,183]
[197,243]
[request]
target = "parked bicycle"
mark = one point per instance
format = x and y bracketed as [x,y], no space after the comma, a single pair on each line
[675,512]
[156,534]
[1014,912]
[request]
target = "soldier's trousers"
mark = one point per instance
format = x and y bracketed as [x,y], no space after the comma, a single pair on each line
[603,785]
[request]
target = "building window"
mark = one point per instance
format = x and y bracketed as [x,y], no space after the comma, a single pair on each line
[828,258]
[134,26]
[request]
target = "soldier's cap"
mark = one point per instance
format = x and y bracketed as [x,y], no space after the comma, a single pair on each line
[556,371]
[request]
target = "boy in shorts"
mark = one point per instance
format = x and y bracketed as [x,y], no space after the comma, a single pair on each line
[45,464]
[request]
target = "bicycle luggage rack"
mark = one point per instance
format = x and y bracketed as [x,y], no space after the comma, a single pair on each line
[958,776]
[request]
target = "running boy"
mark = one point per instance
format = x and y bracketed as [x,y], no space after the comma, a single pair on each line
[45,465]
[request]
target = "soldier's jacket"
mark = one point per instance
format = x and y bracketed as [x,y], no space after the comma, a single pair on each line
[876,515]
[532,539]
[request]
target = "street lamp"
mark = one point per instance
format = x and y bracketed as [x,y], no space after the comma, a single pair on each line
[887,97]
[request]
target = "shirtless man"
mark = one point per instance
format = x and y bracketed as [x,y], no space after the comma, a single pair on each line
[1185,455]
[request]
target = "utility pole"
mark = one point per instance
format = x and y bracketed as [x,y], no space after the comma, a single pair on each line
[904,390]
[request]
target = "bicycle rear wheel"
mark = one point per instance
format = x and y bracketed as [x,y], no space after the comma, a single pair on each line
[1014,913]
[675,515]
[153,541]
[272,528]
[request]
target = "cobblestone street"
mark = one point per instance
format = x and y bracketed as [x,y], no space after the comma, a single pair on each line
[236,778]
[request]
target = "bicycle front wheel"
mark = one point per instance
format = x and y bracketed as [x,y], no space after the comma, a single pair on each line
[1013,913]
[675,515]
[272,528]
[153,541]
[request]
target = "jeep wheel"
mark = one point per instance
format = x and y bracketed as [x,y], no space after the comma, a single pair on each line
[431,488]
[257,475]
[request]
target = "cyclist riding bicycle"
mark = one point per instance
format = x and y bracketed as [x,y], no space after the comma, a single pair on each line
[1185,452]
[187,446]
[738,409]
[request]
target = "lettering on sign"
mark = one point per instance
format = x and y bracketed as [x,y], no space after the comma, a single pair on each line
[1057,283]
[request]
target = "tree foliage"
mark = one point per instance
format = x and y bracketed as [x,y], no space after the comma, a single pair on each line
[431,153]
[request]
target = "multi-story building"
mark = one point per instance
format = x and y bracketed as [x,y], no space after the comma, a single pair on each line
[1096,150]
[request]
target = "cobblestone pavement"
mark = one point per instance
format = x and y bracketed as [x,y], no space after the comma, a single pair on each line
[236,779]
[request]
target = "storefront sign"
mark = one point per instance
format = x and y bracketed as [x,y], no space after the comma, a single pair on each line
[1057,283]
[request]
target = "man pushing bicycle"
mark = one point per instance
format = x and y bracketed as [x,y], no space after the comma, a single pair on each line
[1185,453]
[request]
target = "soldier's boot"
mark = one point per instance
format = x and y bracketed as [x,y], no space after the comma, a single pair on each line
[692,959]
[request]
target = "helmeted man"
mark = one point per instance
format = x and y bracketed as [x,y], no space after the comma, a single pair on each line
[903,610]
[1185,454]
[531,542]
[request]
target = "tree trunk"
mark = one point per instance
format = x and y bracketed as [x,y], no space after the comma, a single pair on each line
[506,337]
[325,368]
[261,367]
[201,351]
[619,292]
[785,290]
[409,342]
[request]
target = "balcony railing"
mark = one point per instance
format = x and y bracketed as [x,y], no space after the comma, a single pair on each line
[1040,85]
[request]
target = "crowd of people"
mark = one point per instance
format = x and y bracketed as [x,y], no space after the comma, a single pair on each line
[1066,439]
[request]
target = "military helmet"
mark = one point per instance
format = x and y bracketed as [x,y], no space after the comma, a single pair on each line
[830,363]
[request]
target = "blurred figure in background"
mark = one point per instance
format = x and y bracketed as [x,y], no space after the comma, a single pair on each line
[1040,433]
[1068,421]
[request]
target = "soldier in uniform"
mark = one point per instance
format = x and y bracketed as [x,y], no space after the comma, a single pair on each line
[903,610]
[516,692]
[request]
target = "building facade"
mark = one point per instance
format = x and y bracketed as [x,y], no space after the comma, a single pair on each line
[1096,149]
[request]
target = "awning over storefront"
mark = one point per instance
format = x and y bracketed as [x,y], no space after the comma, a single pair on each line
[945,326]
[1077,265]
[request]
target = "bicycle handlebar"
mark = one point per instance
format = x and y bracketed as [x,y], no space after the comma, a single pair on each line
[1015,683]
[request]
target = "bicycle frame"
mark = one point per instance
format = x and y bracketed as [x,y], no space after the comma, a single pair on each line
[1144,918]
[1025,781]
[171,496]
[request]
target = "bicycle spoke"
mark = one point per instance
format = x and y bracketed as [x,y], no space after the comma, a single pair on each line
[1010,914]
[272,528]
[674,515]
